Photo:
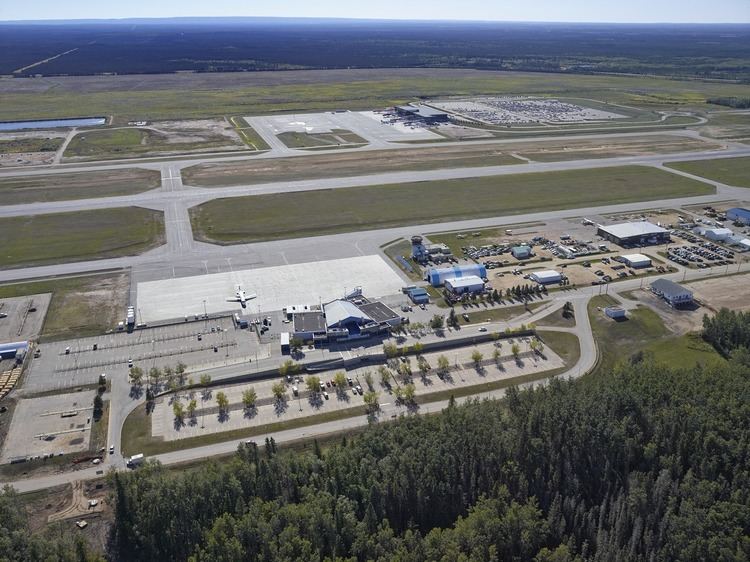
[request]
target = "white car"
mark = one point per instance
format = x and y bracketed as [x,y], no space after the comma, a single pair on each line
[482,329]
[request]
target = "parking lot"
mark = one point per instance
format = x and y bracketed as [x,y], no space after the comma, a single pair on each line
[523,110]
[21,318]
[301,404]
[49,425]
[199,344]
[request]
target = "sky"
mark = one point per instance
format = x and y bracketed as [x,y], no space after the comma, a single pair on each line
[636,11]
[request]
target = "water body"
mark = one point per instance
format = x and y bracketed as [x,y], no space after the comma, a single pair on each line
[52,123]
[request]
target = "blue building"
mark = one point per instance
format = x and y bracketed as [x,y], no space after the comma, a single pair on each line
[15,350]
[437,276]
[419,296]
[739,215]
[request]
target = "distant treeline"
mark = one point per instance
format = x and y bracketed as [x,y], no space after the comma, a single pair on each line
[710,51]
[736,103]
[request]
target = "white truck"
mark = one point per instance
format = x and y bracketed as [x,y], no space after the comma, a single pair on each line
[135,460]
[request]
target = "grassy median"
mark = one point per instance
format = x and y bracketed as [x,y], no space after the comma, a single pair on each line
[731,171]
[310,213]
[83,185]
[77,236]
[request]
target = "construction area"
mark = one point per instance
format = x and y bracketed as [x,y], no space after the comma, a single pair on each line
[49,426]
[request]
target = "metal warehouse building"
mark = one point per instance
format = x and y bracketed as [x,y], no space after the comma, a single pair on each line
[739,215]
[546,277]
[634,233]
[438,276]
[637,260]
[465,285]
[674,294]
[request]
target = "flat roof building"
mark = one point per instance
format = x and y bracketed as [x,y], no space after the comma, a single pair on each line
[637,260]
[546,277]
[419,295]
[634,233]
[676,295]
[423,113]
[521,252]
[309,326]
[465,285]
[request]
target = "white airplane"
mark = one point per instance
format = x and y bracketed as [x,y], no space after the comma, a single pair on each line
[241,296]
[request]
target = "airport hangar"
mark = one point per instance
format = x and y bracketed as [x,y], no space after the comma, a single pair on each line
[634,233]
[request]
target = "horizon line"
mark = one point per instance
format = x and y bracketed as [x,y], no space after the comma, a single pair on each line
[355,19]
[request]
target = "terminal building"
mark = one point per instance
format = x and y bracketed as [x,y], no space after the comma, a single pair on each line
[350,318]
[424,113]
[629,234]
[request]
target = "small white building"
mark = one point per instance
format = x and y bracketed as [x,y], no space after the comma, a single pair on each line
[465,285]
[715,234]
[637,260]
[546,277]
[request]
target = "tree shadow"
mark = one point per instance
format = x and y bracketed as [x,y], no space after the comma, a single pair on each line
[426,381]
[481,370]
[179,423]
[223,415]
[193,421]
[520,363]
[136,391]
[315,399]
[206,394]
[342,394]
[250,412]
[500,366]
[280,406]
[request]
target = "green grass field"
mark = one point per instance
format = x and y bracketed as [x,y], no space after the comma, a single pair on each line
[731,171]
[566,345]
[310,213]
[684,352]
[77,236]
[83,185]
[617,341]
[80,306]
[107,144]
[139,98]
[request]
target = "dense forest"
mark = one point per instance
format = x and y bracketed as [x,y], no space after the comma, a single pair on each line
[643,464]
[729,332]
[249,44]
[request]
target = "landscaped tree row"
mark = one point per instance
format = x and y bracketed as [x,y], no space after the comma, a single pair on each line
[641,464]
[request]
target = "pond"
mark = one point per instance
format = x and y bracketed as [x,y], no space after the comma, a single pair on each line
[52,123]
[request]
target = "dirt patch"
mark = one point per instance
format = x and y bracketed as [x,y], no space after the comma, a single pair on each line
[678,321]
[162,138]
[732,292]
